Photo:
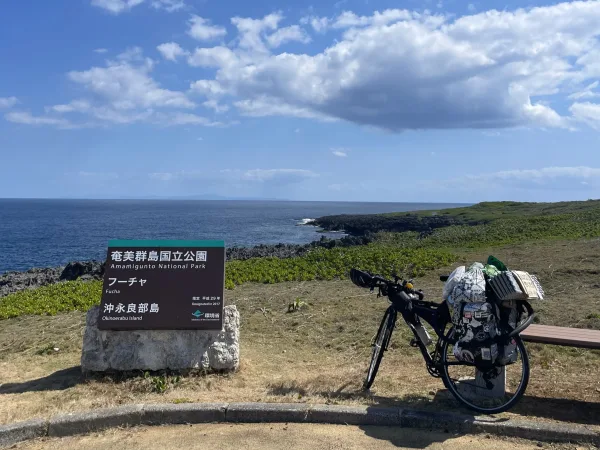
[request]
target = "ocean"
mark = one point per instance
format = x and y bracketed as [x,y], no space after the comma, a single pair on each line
[46,233]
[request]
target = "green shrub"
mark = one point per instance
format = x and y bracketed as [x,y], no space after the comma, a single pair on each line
[52,299]
[329,264]
[501,232]
[319,264]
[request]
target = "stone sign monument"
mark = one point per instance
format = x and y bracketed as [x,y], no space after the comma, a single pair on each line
[162,308]
[166,285]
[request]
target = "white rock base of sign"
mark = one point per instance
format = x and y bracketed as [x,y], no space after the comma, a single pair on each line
[108,350]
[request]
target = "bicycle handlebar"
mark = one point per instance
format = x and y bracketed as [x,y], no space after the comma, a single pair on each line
[366,280]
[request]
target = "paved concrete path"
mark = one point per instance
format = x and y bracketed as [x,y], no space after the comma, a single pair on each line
[278,436]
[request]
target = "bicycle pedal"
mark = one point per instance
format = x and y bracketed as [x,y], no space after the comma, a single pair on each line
[413,343]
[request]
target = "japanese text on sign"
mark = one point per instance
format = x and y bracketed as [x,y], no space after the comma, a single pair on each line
[163,285]
[154,255]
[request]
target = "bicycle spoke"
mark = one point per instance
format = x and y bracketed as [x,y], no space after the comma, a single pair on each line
[489,392]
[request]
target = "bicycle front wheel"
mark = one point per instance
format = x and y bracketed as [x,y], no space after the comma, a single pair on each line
[468,384]
[382,340]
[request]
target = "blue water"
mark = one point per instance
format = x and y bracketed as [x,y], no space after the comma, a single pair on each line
[44,233]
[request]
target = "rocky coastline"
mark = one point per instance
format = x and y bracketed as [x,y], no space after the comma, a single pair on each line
[11,282]
[359,229]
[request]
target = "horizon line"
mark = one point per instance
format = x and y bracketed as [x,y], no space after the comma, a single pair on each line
[233,199]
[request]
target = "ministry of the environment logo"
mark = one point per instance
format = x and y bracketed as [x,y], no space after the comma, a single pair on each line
[197,314]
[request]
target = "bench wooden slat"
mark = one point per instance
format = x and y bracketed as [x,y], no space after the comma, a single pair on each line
[573,337]
[563,334]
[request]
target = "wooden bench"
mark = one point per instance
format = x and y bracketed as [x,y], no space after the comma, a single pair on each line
[572,337]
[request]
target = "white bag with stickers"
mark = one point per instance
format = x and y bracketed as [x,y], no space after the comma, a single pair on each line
[473,317]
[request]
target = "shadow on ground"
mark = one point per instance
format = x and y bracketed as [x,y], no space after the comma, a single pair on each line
[529,407]
[57,381]
[407,439]
[564,410]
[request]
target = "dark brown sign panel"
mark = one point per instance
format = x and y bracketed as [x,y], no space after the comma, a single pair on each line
[163,285]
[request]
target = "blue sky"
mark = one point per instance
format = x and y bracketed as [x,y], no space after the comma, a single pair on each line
[366,100]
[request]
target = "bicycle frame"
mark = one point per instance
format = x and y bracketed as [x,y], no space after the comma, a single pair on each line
[435,314]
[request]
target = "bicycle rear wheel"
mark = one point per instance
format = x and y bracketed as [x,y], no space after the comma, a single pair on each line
[380,345]
[468,385]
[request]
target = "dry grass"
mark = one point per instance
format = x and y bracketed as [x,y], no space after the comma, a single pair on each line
[320,353]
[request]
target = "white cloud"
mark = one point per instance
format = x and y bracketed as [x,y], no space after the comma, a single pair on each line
[179,118]
[171,51]
[208,88]
[288,34]
[28,119]
[74,106]
[549,173]
[168,5]
[133,54]
[116,6]
[101,50]
[107,114]
[251,31]
[349,19]
[394,69]
[545,178]
[216,106]
[119,6]
[268,106]
[587,92]
[212,57]
[8,102]
[201,29]
[340,152]
[162,176]
[587,112]
[121,93]
[471,7]
[278,175]
[126,86]
[400,70]
[319,24]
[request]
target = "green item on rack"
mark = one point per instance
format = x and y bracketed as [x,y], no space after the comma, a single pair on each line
[491,271]
[493,261]
[475,265]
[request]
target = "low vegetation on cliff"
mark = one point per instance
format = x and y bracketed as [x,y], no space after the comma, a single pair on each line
[420,246]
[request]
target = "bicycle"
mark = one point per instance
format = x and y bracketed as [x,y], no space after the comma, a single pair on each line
[475,385]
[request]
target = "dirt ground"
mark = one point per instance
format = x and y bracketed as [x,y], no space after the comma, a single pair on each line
[320,353]
[288,436]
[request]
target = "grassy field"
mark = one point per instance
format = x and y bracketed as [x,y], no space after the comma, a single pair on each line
[488,211]
[479,214]
[320,353]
